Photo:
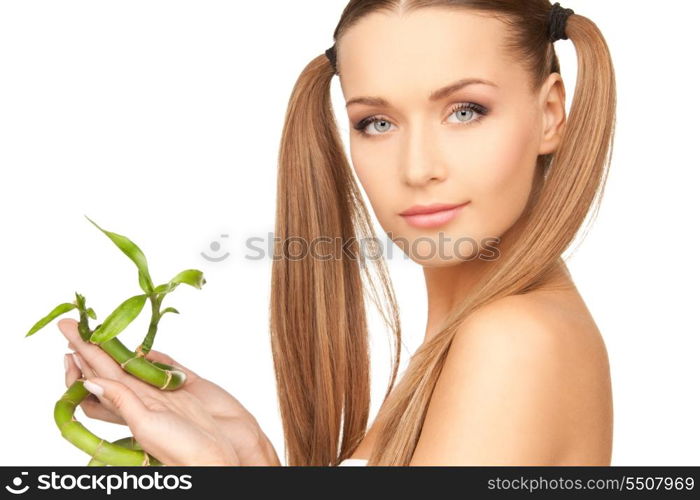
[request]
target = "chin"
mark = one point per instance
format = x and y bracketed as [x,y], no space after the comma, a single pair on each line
[441,250]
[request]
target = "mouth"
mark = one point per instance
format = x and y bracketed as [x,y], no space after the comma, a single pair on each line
[427,216]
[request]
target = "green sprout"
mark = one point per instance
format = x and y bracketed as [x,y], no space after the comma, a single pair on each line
[125,451]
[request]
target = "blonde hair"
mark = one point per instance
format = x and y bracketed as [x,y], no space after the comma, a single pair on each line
[318,321]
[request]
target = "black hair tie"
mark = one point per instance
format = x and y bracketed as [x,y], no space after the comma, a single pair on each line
[556,22]
[330,54]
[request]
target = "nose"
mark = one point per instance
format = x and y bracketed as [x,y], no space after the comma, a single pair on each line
[420,162]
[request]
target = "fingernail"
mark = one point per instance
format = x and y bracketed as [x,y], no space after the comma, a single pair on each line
[94,388]
[77,361]
[65,362]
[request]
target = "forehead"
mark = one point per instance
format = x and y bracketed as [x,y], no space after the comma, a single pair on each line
[387,53]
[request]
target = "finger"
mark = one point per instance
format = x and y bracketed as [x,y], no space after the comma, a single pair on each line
[127,403]
[73,373]
[161,357]
[73,369]
[83,366]
[93,408]
[100,362]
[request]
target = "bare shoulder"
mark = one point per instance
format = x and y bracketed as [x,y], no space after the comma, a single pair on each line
[526,381]
[534,321]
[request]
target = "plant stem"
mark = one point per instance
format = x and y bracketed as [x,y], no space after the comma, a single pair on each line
[161,375]
[147,343]
[127,442]
[75,432]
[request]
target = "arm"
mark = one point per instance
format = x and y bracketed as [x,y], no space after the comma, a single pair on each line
[501,398]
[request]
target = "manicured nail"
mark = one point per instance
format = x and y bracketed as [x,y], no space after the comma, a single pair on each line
[77,361]
[94,388]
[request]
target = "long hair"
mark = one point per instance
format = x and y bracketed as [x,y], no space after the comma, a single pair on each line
[318,323]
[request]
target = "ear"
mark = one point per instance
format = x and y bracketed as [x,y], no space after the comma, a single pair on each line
[553,102]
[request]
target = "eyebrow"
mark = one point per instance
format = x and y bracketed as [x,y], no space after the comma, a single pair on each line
[436,95]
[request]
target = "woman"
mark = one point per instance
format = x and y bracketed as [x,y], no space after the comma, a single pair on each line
[461,142]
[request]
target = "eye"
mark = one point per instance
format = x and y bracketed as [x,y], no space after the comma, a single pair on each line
[468,113]
[373,125]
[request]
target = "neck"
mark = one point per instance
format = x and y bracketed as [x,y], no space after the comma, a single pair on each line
[447,286]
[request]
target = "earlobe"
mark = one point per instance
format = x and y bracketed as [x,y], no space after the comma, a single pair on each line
[553,114]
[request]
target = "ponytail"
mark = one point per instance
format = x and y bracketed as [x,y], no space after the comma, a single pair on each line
[318,326]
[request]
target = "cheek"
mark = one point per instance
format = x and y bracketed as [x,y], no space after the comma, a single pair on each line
[498,176]
[378,181]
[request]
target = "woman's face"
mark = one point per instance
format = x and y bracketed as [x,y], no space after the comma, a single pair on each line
[473,144]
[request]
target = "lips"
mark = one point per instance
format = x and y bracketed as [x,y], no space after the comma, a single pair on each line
[429,216]
[431,209]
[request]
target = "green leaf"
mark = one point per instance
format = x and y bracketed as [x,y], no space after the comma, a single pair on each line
[169,310]
[192,277]
[145,283]
[120,318]
[57,311]
[134,253]
[91,312]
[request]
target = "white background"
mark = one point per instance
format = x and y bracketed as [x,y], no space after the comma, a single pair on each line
[161,121]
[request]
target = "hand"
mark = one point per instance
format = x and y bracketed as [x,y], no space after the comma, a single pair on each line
[211,426]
